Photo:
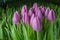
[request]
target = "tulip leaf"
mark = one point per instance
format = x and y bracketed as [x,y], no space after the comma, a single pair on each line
[24,32]
[1,31]
[44,37]
[50,32]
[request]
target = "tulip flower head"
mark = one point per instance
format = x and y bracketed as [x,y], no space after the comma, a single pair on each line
[31,11]
[35,5]
[51,15]
[24,9]
[25,18]
[36,24]
[43,9]
[39,13]
[47,12]
[16,17]
[32,17]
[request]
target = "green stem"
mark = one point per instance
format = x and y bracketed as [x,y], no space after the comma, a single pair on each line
[50,32]
[39,35]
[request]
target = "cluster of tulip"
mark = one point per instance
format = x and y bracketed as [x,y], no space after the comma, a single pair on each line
[34,16]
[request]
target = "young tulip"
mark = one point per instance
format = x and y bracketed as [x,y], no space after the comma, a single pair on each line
[31,11]
[24,9]
[47,12]
[35,5]
[43,9]
[32,17]
[25,18]
[38,13]
[51,15]
[16,17]
[36,24]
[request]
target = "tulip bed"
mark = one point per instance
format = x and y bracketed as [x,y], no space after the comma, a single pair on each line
[21,31]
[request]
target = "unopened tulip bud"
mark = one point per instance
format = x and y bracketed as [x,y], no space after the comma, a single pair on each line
[31,11]
[16,17]
[36,24]
[35,5]
[25,18]
[24,9]
[39,13]
[32,17]
[43,9]
[47,12]
[51,15]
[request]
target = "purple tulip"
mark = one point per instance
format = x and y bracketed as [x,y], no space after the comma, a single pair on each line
[51,15]
[36,24]
[47,12]
[16,17]
[31,11]
[24,9]
[43,9]
[32,17]
[25,18]
[38,13]
[35,5]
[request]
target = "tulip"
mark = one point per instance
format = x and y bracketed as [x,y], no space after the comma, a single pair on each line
[51,15]
[43,9]
[47,12]
[25,18]
[36,24]
[24,9]
[32,17]
[35,5]
[16,17]
[31,11]
[38,13]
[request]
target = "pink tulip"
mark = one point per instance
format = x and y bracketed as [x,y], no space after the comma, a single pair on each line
[24,9]
[47,12]
[16,17]
[31,11]
[36,24]
[43,9]
[35,5]
[25,18]
[51,15]
[39,13]
[32,17]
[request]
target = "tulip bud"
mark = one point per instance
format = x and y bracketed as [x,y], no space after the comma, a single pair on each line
[16,17]
[31,11]
[32,17]
[47,12]
[51,15]
[25,18]
[43,9]
[39,13]
[35,5]
[24,9]
[36,24]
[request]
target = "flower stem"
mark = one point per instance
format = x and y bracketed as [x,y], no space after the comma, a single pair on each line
[39,35]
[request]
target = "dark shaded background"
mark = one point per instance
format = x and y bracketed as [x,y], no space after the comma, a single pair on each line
[3,3]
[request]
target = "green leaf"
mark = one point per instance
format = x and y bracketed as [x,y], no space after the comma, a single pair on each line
[50,32]
[25,32]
